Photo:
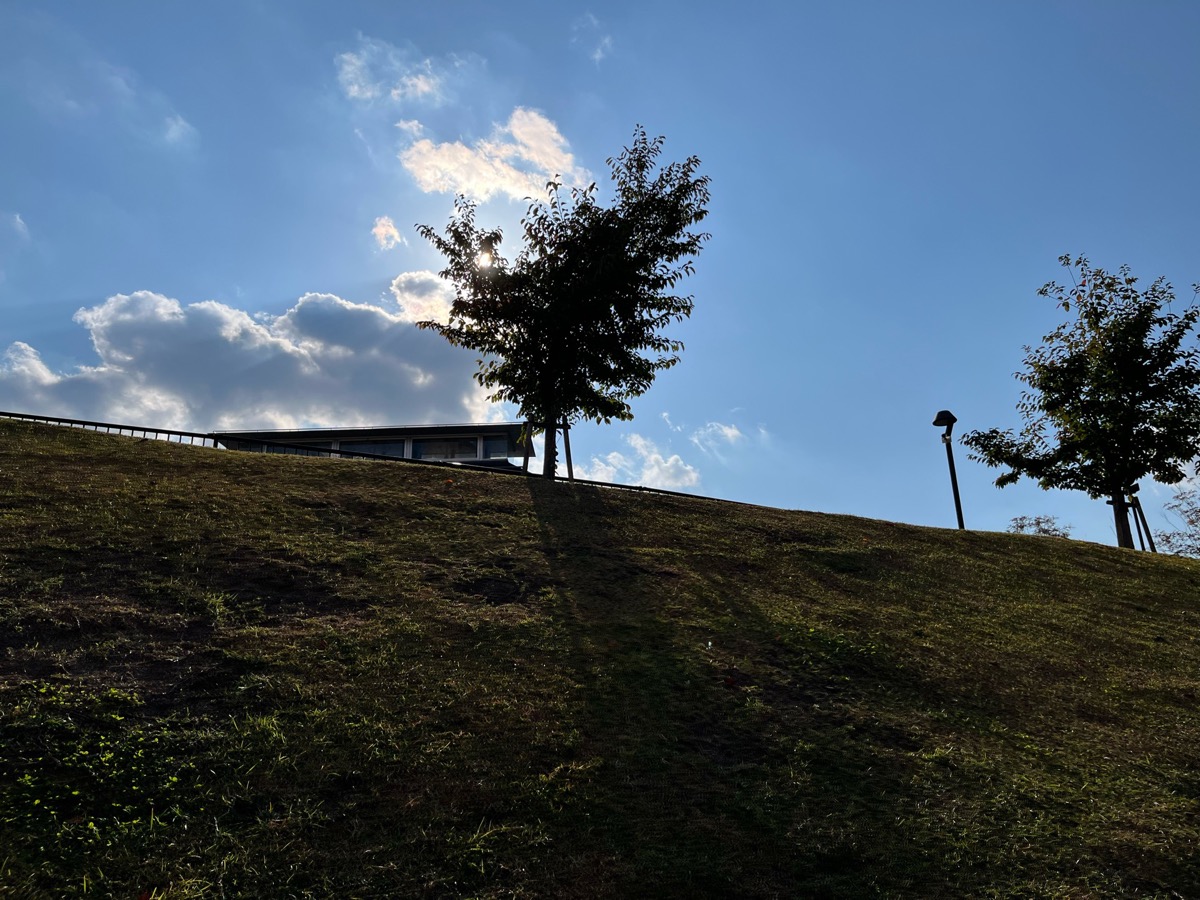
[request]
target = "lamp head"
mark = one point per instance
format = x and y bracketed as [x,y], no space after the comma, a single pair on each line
[946,418]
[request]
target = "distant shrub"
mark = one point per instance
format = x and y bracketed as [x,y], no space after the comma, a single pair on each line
[1186,505]
[1044,525]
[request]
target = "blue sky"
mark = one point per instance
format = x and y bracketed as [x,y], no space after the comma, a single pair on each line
[207,211]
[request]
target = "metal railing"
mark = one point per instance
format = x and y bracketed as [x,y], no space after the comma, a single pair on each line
[175,436]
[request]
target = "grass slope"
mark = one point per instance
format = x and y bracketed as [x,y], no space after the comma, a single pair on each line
[236,675]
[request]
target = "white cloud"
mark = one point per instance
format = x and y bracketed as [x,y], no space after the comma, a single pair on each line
[588,32]
[177,130]
[602,49]
[418,84]
[23,361]
[355,77]
[146,112]
[14,239]
[715,437]
[727,443]
[536,140]
[121,82]
[662,471]
[386,235]
[378,69]
[66,79]
[517,160]
[325,361]
[422,296]
[456,168]
[608,468]
[649,467]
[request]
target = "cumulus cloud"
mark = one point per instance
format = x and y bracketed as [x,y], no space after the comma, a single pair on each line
[662,471]
[516,160]
[648,466]
[422,296]
[19,226]
[386,235]
[22,361]
[377,69]
[454,167]
[609,468]
[325,361]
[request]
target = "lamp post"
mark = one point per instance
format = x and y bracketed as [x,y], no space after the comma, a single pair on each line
[947,418]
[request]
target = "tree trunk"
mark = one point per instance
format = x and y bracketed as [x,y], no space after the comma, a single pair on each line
[551,425]
[1121,517]
[551,461]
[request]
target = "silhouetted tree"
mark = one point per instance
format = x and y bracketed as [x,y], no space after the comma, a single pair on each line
[571,328]
[1112,395]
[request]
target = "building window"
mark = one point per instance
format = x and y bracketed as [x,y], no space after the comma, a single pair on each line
[304,450]
[314,448]
[495,447]
[380,448]
[445,448]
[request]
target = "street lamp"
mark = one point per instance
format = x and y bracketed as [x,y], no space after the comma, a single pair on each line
[947,418]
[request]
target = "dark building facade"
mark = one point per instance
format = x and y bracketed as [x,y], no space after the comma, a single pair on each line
[491,444]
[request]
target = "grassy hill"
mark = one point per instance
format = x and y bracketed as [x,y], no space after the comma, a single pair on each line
[237,675]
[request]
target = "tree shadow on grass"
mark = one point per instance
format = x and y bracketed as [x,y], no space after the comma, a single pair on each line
[700,787]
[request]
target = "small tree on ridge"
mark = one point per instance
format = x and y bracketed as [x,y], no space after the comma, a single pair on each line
[1112,396]
[571,328]
[1046,526]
